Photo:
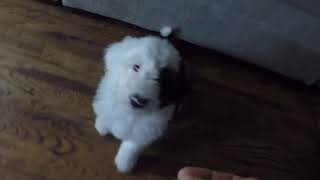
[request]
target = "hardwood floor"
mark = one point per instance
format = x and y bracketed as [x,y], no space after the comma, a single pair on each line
[238,118]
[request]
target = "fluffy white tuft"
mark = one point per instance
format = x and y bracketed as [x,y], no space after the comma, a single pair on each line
[166,31]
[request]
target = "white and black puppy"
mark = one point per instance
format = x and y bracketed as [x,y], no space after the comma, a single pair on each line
[143,82]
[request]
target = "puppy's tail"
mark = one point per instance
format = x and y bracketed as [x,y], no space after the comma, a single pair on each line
[166,31]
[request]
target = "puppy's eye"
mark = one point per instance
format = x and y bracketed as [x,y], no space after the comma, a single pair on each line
[136,68]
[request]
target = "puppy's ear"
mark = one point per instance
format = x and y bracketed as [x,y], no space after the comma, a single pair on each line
[174,86]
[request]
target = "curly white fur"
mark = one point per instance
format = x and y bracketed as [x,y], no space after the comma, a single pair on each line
[135,127]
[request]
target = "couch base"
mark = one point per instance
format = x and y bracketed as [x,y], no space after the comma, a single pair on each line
[271,34]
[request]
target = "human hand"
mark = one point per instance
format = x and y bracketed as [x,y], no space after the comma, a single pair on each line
[195,173]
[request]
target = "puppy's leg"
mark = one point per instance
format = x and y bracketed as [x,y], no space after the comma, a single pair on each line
[101,127]
[127,155]
[100,124]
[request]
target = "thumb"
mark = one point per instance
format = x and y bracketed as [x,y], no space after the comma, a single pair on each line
[194,173]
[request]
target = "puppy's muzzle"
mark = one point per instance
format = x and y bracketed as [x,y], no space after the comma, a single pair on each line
[137,101]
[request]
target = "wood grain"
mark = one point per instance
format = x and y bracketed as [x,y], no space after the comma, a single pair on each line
[238,117]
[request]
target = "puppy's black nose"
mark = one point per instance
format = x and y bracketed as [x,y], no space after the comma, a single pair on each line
[137,101]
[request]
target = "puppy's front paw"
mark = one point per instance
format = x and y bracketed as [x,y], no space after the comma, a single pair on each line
[102,130]
[125,164]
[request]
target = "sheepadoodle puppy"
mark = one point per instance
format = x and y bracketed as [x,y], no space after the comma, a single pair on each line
[144,79]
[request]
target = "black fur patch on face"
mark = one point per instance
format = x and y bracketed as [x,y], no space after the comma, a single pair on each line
[173,86]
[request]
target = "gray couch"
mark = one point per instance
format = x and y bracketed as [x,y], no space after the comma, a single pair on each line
[281,35]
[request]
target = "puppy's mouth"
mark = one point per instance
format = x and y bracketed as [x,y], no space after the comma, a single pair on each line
[137,101]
